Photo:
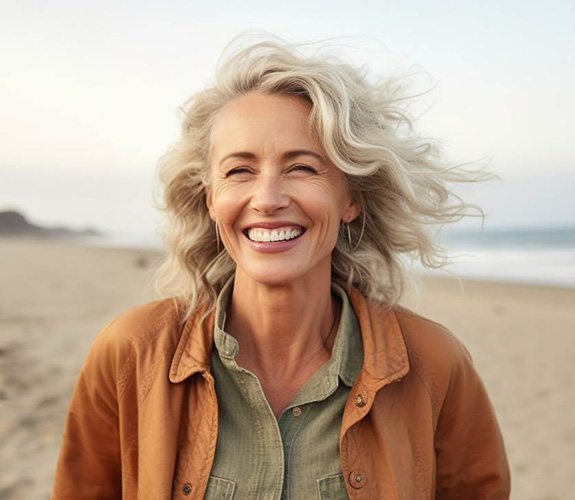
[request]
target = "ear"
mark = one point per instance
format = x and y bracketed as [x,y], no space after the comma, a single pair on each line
[209,203]
[351,211]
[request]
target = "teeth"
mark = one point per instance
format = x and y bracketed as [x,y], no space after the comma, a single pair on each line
[279,234]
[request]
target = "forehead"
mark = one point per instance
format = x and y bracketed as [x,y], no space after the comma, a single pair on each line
[260,122]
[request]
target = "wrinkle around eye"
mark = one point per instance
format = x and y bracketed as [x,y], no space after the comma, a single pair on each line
[302,167]
[237,171]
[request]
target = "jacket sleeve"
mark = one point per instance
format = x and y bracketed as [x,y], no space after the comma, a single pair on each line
[471,460]
[89,465]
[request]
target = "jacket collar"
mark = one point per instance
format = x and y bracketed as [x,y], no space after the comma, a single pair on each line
[194,347]
[385,353]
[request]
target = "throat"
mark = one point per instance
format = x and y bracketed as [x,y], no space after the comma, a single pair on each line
[285,333]
[280,344]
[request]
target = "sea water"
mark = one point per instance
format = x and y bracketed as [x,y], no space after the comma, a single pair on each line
[529,255]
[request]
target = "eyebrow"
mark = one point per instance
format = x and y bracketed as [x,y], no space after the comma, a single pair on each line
[286,156]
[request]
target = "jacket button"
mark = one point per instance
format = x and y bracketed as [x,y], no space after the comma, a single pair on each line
[187,489]
[360,400]
[357,479]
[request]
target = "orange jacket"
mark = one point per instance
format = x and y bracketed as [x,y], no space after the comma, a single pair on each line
[143,419]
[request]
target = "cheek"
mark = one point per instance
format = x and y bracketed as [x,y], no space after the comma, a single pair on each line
[333,203]
[226,209]
[219,199]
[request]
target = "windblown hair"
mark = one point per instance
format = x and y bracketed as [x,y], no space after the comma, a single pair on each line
[398,178]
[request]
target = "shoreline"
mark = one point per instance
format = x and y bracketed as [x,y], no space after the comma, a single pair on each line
[57,296]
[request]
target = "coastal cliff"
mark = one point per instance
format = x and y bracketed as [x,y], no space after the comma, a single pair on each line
[13,223]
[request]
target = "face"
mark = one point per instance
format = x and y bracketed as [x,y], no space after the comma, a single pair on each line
[277,199]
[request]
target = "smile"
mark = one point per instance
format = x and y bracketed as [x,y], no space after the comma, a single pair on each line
[278,234]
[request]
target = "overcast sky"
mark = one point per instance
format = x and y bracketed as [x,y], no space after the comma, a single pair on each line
[89,92]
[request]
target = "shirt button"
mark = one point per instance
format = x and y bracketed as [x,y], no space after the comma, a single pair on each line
[187,489]
[296,411]
[357,479]
[360,400]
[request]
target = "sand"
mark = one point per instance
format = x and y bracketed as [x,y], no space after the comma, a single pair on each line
[55,297]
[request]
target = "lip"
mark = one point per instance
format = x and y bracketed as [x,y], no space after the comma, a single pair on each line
[272,225]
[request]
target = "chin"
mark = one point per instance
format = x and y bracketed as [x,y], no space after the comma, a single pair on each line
[285,273]
[274,279]
[272,275]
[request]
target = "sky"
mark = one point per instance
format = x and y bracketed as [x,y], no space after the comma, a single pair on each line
[89,93]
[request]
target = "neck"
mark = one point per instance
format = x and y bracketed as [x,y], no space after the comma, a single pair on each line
[281,328]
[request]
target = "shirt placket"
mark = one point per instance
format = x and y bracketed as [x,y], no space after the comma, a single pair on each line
[270,456]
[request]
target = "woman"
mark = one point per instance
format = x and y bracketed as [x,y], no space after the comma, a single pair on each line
[285,368]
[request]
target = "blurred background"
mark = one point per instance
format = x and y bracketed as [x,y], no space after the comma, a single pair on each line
[89,98]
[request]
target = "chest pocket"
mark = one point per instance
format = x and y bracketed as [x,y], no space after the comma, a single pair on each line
[219,489]
[332,488]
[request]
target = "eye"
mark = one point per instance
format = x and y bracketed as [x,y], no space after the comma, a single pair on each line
[238,170]
[302,167]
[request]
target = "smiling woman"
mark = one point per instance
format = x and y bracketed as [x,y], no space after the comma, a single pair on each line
[291,195]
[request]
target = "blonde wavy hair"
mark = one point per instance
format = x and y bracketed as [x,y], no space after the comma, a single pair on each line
[397,177]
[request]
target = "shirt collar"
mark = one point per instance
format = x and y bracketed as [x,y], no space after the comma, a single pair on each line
[347,352]
[226,345]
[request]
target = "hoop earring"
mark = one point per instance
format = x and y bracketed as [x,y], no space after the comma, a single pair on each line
[348,235]
[362,229]
[353,247]
[217,237]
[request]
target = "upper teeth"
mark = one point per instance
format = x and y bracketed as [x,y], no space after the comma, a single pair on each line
[279,234]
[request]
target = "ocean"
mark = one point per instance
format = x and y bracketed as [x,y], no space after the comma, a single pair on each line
[543,255]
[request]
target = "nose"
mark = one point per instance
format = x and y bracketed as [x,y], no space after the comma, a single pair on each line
[268,194]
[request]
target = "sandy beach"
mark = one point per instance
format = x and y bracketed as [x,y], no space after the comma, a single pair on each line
[56,296]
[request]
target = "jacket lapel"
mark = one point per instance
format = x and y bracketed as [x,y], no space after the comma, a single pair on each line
[193,351]
[385,357]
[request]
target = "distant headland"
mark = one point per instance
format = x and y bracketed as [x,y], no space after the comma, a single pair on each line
[13,223]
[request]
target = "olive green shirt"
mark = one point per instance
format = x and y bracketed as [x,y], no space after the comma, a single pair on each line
[297,456]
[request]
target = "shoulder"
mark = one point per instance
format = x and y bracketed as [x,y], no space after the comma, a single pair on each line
[436,356]
[423,335]
[143,324]
[144,331]
[134,347]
